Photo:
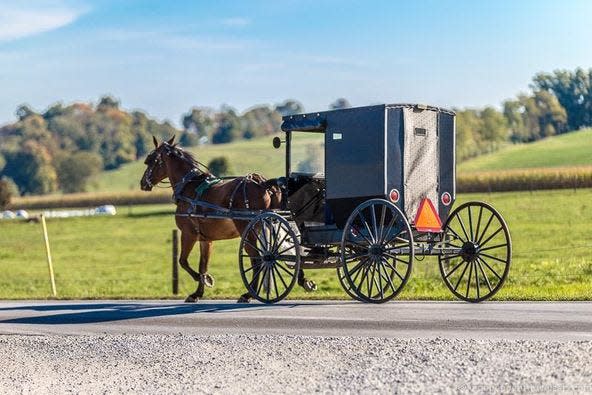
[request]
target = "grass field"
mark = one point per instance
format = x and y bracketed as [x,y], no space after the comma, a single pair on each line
[129,255]
[571,149]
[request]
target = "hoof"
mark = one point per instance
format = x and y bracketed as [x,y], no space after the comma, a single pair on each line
[309,286]
[243,299]
[191,299]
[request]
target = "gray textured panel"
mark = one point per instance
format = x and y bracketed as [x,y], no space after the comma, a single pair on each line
[421,158]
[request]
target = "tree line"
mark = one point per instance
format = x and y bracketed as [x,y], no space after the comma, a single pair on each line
[61,148]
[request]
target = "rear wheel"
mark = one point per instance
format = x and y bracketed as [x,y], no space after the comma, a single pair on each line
[480,268]
[376,251]
[269,258]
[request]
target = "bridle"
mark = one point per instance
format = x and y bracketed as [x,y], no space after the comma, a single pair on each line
[159,161]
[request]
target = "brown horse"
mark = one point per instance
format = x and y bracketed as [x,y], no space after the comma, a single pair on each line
[184,173]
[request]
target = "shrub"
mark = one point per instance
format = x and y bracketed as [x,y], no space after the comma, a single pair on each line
[219,166]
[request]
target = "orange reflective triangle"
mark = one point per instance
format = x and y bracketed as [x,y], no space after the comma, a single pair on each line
[427,219]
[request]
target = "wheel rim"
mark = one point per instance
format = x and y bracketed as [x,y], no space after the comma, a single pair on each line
[269,258]
[377,251]
[481,267]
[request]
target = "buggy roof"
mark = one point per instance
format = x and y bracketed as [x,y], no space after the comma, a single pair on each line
[317,121]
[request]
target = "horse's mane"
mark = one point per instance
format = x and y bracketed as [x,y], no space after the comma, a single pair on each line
[188,157]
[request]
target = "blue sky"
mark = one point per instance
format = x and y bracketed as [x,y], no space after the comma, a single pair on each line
[164,57]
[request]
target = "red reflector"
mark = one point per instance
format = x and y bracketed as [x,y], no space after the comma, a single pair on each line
[394,195]
[427,219]
[446,199]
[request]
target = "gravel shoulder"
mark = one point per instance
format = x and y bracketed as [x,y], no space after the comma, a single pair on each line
[229,364]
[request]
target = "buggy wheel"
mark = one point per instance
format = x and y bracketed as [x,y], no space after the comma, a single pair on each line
[269,258]
[376,251]
[481,267]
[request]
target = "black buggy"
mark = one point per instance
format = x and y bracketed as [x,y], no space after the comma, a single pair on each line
[385,198]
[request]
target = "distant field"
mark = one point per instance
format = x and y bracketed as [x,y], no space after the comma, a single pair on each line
[571,149]
[128,256]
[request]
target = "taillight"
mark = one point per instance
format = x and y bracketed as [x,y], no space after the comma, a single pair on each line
[394,195]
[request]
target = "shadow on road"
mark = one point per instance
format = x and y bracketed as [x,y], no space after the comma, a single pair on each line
[104,312]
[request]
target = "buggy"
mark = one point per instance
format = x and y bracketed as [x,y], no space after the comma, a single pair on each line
[383,201]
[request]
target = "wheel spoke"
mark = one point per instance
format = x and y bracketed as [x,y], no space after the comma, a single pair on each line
[394,270]
[492,248]
[374,223]
[478,221]
[255,247]
[389,227]
[476,279]
[494,258]
[489,267]
[484,275]
[469,278]
[453,270]
[387,277]
[462,225]
[447,257]
[485,229]
[382,218]
[470,223]
[491,237]
[367,226]
[277,294]
[281,277]
[262,280]
[461,276]
[458,237]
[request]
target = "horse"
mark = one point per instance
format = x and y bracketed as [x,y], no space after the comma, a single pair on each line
[187,176]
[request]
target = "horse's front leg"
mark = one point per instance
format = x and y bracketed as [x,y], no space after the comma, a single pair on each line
[188,240]
[308,285]
[205,249]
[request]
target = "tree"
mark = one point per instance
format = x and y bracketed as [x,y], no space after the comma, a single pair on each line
[289,107]
[198,121]
[75,170]
[228,127]
[531,118]
[107,102]
[5,194]
[31,169]
[219,166]
[260,121]
[23,111]
[339,104]
[573,90]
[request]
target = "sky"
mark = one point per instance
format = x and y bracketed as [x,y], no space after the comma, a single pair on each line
[164,57]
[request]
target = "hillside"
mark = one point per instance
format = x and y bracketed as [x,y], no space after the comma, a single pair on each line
[571,149]
[244,156]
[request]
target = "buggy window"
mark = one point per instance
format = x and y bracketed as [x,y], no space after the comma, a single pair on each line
[308,152]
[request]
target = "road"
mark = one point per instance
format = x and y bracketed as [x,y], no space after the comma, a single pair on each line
[455,320]
[294,347]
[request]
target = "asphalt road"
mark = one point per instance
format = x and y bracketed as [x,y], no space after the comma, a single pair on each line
[556,321]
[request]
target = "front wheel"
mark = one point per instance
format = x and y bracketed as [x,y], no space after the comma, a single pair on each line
[483,251]
[269,258]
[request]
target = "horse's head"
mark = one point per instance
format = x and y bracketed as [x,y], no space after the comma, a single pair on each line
[156,167]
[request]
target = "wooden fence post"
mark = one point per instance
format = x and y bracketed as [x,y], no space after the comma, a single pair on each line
[48,255]
[175,261]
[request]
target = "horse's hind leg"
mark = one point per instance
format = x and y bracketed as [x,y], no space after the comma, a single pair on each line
[308,285]
[187,242]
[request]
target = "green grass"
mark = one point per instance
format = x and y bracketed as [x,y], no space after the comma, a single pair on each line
[245,156]
[571,149]
[129,256]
